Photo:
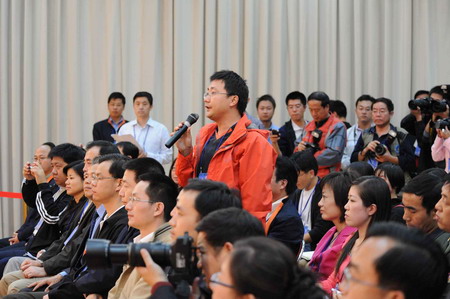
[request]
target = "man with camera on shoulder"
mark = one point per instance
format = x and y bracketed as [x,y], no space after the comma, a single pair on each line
[384,142]
[325,136]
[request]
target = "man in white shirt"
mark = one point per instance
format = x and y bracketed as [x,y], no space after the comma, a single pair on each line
[363,113]
[150,134]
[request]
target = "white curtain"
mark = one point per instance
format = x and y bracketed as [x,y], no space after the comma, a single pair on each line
[60,59]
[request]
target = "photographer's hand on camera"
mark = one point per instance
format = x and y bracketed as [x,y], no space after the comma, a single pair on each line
[386,157]
[301,146]
[443,133]
[27,172]
[152,272]
[369,148]
[417,113]
[38,172]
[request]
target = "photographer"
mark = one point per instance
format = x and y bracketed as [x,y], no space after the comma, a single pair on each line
[384,142]
[325,136]
[217,233]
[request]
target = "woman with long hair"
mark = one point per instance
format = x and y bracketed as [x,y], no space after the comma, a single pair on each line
[369,201]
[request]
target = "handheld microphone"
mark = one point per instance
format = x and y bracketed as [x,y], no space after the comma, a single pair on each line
[191,119]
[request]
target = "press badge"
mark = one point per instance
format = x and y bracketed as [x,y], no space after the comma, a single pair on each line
[203,175]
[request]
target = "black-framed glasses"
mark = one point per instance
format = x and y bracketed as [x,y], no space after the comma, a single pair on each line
[215,279]
[211,94]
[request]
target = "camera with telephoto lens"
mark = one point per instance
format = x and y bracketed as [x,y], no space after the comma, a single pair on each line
[180,257]
[428,105]
[442,123]
[380,149]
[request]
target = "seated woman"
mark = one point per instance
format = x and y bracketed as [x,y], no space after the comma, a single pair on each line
[263,268]
[395,178]
[335,187]
[368,202]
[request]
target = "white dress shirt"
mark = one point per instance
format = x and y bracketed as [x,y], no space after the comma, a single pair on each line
[151,138]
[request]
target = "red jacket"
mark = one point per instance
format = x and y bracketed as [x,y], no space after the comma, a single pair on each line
[245,161]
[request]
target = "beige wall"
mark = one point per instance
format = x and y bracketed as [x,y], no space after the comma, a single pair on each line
[59,60]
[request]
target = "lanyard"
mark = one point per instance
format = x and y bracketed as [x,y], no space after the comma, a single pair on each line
[307,202]
[145,139]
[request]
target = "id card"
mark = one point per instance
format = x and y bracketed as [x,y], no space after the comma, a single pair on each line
[203,175]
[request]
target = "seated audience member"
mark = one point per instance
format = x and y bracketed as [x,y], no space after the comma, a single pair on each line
[440,150]
[395,262]
[195,201]
[128,149]
[292,132]
[149,208]
[284,224]
[265,107]
[21,271]
[443,206]
[398,146]
[368,203]
[395,178]
[360,168]
[306,199]
[98,148]
[335,187]
[263,268]
[104,129]
[173,172]
[339,110]
[325,137]
[363,113]
[217,233]
[19,237]
[420,197]
[51,202]
[78,280]
[150,134]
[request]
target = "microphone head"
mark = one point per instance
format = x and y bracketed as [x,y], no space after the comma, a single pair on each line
[192,118]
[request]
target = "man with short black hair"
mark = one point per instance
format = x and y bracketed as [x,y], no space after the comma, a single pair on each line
[339,110]
[325,137]
[307,196]
[284,222]
[149,134]
[363,111]
[292,132]
[265,107]
[395,262]
[98,148]
[104,129]
[228,150]
[419,198]
[397,145]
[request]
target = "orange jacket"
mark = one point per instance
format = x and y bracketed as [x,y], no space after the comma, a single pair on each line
[245,161]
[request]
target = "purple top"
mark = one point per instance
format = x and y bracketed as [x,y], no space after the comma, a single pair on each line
[324,258]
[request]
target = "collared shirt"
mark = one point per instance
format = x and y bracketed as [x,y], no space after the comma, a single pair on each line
[299,131]
[151,138]
[109,216]
[116,125]
[101,213]
[145,239]
[275,204]
[353,134]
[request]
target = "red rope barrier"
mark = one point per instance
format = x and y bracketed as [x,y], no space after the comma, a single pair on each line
[11,194]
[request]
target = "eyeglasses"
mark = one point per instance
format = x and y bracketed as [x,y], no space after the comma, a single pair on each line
[215,279]
[96,178]
[347,278]
[211,94]
[134,199]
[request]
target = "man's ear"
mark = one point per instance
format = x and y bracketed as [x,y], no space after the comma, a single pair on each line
[119,185]
[228,246]
[234,100]
[395,294]
[159,209]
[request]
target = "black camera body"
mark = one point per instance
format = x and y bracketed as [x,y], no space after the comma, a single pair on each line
[314,146]
[180,256]
[428,105]
[380,149]
[442,123]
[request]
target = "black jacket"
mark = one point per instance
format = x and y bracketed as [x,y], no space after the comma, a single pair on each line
[287,139]
[102,130]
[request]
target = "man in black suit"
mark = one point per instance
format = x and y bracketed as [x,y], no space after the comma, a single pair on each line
[104,129]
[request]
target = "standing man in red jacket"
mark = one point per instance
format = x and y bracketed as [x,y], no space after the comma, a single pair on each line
[230,150]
